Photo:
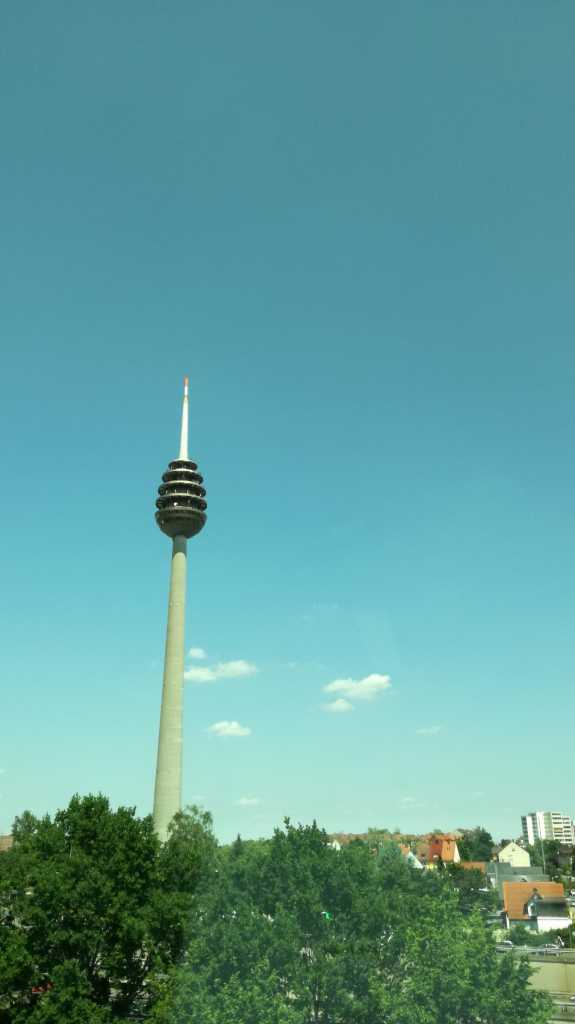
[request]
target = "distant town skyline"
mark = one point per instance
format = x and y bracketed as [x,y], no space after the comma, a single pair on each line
[353,228]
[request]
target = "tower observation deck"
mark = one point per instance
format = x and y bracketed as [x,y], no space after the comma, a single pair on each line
[181,514]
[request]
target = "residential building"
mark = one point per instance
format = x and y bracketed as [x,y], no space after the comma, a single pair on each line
[547,825]
[439,848]
[514,855]
[547,913]
[410,857]
[5,843]
[500,872]
[516,896]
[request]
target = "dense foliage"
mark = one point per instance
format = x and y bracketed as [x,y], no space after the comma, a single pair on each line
[106,924]
[91,905]
[520,935]
[297,932]
[556,858]
[473,890]
[476,845]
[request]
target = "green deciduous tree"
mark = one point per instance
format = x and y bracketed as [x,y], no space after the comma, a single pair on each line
[69,1000]
[94,889]
[98,921]
[546,852]
[395,948]
[476,844]
[473,890]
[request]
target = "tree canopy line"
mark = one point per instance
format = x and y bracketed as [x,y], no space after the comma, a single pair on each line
[100,922]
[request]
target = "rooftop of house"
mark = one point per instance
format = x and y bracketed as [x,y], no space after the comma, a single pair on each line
[344,838]
[516,895]
[504,870]
[373,836]
[511,847]
[549,907]
[5,843]
[474,865]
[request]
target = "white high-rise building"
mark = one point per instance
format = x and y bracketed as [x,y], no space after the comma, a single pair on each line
[547,825]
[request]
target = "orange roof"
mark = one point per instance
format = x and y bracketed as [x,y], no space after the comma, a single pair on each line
[442,847]
[516,894]
[473,865]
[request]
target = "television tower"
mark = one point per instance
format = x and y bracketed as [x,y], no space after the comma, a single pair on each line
[181,514]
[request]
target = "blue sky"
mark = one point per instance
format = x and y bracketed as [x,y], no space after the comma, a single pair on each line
[352,225]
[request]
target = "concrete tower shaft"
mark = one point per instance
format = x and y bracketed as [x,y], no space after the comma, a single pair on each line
[181,513]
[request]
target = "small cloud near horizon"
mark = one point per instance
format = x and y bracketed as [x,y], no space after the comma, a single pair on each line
[248,801]
[428,730]
[303,666]
[411,802]
[229,729]
[237,669]
[367,688]
[338,706]
[197,652]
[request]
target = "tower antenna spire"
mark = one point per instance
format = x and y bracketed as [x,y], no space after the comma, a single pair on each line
[184,432]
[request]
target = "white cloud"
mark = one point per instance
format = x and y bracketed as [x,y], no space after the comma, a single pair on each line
[198,674]
[359,689]
[338,706]
[234,669]
[228,729]
[248,801]
[197,652]
[428,730]
[222,670]
[303,666]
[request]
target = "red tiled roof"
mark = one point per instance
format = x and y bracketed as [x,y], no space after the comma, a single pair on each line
[516,894]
